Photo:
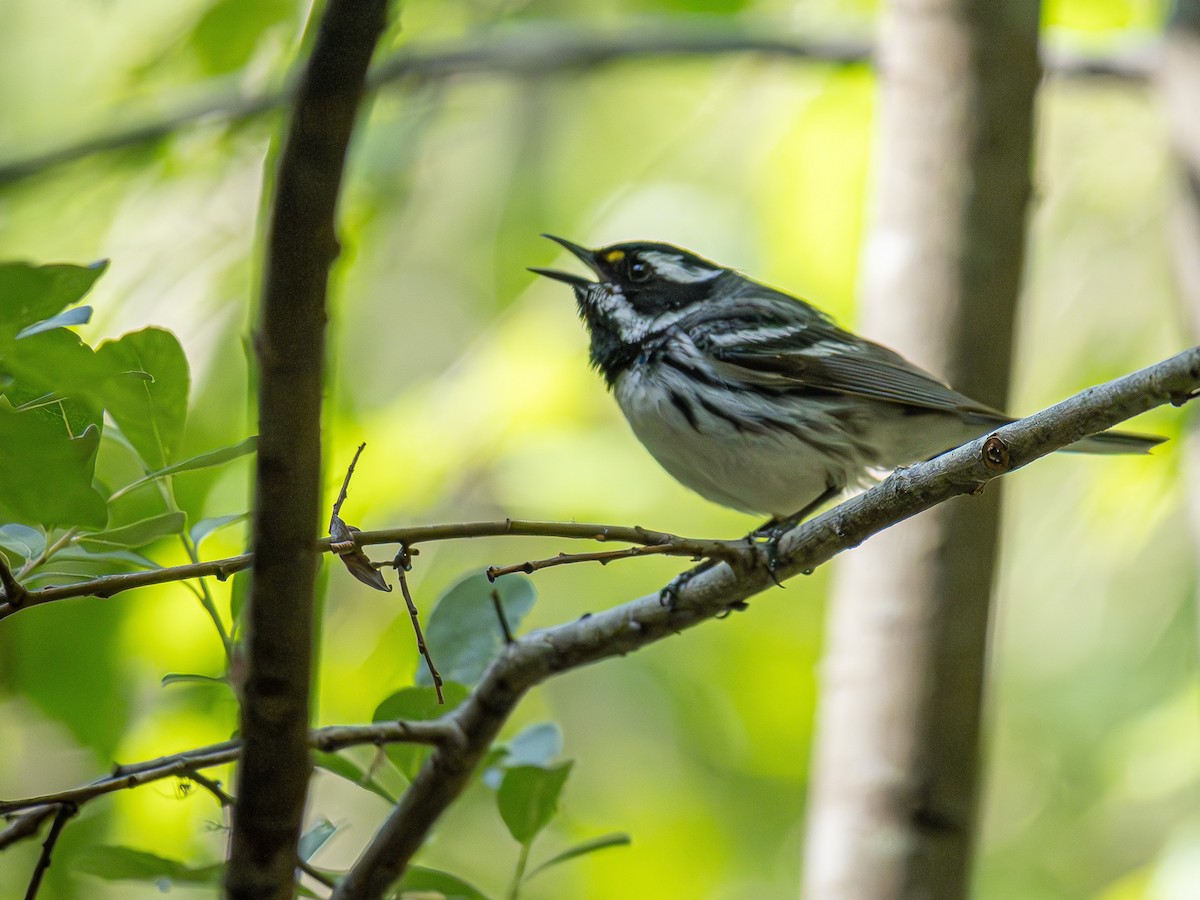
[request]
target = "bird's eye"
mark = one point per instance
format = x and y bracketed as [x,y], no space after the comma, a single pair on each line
[639,271]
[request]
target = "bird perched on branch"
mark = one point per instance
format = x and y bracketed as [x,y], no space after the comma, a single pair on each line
[755,399]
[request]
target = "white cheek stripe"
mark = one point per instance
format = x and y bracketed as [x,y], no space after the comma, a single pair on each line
[632,325]
[613,306]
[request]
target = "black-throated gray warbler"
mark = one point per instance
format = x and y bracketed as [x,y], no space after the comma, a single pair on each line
[753,398]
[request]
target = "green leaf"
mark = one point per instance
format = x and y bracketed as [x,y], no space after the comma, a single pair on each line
[22,540]
[46,475]
[80,315]
[348,769]
[202,461]
[415,704]
[618,839]
[226,36]
[103,559]
[146,392]
[126,864]
[528,798]
[139,534]
[189,678]
[239,594]
[57,371]
[205,527]
[315,838]
[464,634]
[535,745]
[30,294]
[423,881]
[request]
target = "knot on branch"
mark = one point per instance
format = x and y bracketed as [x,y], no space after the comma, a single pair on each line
[996,455]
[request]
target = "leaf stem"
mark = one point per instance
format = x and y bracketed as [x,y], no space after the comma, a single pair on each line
[514,887]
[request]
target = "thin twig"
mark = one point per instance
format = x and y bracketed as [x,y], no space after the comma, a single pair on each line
[342,542]
[496,604]
[315,874]
[341,497]
[213,787]
[65,812]
[604,557]
[416,624]
[107,586]
[48,551]
[14,592]
[34,810]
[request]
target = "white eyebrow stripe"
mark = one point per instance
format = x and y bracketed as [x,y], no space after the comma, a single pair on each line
[672,267]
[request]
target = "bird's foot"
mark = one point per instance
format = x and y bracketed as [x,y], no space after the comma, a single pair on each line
[670,594]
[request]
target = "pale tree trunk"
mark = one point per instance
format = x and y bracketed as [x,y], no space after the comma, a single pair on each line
[1179,83]
[896,771]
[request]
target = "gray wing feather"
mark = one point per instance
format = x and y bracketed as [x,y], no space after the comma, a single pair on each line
[856,367]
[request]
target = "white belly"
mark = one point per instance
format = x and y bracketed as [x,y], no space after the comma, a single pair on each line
[767,471]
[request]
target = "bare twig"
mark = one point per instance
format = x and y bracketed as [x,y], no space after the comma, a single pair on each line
[342,542]
[213,787]
[25,825]
[620,630]
[503,619]
[315,874]
[14,591]
[604,557]
[402,567]
[29,813]
[65,812]
[109,585]
[545,49]
[341,497]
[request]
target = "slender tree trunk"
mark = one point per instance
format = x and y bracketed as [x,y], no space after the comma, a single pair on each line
[892,803]
[290,342]
[1179,82]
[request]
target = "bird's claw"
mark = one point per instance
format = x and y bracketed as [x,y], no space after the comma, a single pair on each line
[671,593]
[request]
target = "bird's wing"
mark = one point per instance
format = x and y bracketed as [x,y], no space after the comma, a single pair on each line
[820,356]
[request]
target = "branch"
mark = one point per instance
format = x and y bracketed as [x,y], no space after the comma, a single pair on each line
[14,592]
[546,49]
[109,585]
[64,813]
[414,616]
[301,246]
[620,630]
[29,813]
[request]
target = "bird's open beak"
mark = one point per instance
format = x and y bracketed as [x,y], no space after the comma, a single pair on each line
[583,253]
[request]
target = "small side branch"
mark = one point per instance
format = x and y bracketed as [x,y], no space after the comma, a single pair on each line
[604,557]
[14,592]
[110,585]
[500,616]
[64,813]
[403,564]
[28,814]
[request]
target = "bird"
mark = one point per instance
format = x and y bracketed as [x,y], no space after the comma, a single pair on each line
[755,399]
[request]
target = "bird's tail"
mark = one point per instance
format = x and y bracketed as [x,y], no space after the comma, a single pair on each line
[1116,442]
[1104,442]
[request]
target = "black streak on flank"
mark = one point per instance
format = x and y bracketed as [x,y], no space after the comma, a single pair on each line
[680,403]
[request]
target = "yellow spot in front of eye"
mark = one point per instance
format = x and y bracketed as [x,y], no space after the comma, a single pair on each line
[614,256]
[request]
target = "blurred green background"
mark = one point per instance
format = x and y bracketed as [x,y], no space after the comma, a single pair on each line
[467,378]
